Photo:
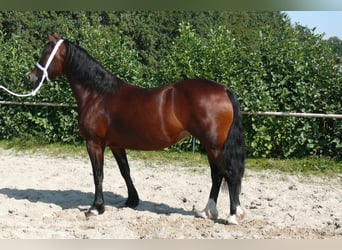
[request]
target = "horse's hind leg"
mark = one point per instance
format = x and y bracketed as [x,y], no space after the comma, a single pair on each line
[234,185]
[210,211]
[121,159]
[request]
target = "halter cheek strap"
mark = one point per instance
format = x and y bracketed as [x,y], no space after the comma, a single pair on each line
[45,73]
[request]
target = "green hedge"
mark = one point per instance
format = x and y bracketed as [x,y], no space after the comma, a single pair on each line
[289,69]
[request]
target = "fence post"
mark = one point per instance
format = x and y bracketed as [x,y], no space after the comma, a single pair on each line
[193,144]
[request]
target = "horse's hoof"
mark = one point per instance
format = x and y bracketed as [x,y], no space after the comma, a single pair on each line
[93,211]
[206,214]
[232,219]
[132,203]
[90,213]
[209,212]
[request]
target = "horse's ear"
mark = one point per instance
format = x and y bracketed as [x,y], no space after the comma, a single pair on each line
[53,38]
[56,35]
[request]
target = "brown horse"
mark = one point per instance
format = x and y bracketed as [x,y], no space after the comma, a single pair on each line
[121,116]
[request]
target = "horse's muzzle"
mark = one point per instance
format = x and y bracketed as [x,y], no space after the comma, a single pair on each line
[34,80]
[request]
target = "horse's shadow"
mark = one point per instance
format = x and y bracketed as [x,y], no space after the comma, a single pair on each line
[69,199]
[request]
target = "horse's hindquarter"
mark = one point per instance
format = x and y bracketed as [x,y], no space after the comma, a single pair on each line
[210,111]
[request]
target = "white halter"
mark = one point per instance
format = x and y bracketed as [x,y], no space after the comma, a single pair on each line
[45,73]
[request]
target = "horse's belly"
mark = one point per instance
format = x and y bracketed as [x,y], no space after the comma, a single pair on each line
[147,139]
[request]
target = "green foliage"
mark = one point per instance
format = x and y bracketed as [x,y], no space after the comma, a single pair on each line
[296,73]
[269,64]
[306,166]
[336,45]
[212,57]
[194,162]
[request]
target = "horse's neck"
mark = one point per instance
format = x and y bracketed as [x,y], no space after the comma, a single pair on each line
[82,94]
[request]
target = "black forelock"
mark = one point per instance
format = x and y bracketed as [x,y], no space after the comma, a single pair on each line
[88,71]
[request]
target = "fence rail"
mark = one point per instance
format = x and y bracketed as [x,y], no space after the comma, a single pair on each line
[290,114]
[43,104]
[249,113]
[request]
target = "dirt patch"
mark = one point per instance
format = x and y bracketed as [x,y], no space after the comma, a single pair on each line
[45,197]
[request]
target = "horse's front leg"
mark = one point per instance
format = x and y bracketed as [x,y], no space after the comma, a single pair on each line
[95,152]
[121,159]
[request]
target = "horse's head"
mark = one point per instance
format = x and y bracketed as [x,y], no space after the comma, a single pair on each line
[50,64]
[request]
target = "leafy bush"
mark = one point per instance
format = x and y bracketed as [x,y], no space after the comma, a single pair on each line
[292,73]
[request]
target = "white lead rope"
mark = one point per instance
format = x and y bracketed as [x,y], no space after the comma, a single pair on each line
[45,73]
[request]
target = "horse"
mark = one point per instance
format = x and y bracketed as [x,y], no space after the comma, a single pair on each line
[116,114]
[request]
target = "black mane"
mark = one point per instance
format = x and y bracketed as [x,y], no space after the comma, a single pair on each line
[88,71]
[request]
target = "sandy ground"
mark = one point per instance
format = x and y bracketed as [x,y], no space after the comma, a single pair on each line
[45,197]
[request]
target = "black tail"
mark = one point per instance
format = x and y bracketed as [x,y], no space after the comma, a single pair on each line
[233,157]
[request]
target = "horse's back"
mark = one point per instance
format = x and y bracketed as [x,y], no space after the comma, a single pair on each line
[198,86]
